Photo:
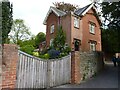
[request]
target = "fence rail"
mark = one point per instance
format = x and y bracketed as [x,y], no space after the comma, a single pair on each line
[33,72]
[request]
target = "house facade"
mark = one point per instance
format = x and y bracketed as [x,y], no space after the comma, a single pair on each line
[82,28]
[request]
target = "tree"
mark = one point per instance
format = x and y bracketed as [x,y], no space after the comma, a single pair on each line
[7,20]
[111,25]
[60,38]
[19,31]
[31,41]
[65,6]
[40,37]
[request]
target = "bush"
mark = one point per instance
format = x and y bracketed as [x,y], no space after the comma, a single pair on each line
[28,49]
[53,53]
[45,56]
[36,54]
[67,49]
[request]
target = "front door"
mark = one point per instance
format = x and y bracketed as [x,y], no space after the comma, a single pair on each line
[77,44]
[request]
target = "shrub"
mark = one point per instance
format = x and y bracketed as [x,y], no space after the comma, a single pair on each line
[53,53]
[36,54]
[45,56]
[28,49]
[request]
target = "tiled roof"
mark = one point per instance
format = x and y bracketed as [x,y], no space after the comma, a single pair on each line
[81,10]
[57,11]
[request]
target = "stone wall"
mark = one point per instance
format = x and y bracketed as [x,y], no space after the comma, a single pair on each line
[90,64]
[9,64]
[85,65]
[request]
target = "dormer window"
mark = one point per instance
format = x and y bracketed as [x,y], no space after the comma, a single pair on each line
[52,28]
[76,22]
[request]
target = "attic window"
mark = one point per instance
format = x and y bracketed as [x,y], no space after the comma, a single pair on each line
[76,22]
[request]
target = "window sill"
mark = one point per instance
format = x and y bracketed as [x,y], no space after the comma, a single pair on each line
[92,33]
[76,27]
[51,33]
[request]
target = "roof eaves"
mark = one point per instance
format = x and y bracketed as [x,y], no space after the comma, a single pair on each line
[56,11]
[83,13]
[49,11]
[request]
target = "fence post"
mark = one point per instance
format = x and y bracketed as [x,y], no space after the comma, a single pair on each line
[9,65]
[75,67]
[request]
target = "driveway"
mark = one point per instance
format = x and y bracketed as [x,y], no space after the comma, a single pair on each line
[108,78]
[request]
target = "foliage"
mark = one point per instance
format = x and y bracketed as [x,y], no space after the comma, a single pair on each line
[45,56]
[31,41]
[19,31]
[40,37]
[36,54]
[28,49]
[67,7]
[7,20]
[53,53]
[111,25]
[60,39]
[59,48]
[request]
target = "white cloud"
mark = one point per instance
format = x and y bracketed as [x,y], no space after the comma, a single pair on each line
[34,12]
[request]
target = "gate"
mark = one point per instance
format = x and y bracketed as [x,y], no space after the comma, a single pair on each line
[33,72]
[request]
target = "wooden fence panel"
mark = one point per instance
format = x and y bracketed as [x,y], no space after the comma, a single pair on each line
[33,72]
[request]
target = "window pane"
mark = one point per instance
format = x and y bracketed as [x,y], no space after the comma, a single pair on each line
[52,29]
[76,22]
[92,46]
[92,28]
[51,42]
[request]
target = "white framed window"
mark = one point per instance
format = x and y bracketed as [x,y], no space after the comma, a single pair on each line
[76,22]
[51,42]
[92,28]
[52,28]
[92,46]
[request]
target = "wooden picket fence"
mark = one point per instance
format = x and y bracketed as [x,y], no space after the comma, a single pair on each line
[34,72]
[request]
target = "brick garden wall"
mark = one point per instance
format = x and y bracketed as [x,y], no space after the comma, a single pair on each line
[9,63]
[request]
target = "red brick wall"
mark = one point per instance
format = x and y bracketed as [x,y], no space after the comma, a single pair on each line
[87,35]
[66,25]
[52,19]
[9,63]
[76,33]
[75,68]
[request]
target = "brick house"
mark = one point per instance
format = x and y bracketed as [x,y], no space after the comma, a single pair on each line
[82,27]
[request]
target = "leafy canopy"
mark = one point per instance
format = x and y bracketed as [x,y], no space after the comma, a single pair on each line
[40,37]
[111,25]
[19,31]
[7,20]
[65,6]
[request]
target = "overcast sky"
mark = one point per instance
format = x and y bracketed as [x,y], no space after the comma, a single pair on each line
[33,12]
